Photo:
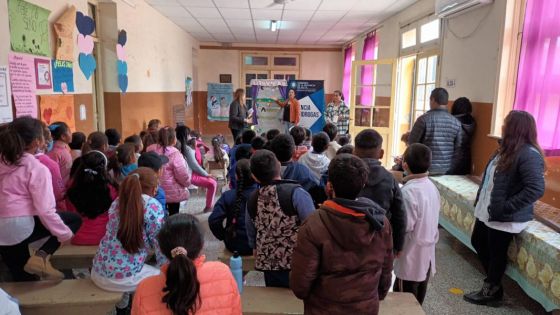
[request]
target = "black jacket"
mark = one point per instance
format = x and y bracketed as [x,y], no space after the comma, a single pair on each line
[382,188]
[463,161]
[441,132]
[517,189]
[237,116]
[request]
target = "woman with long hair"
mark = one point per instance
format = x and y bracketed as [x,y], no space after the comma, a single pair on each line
[238,114]
[135,219]
[91,193]
[200,177]
[513,181]
[175,178]
[188,284]
[231,209]
[462,110]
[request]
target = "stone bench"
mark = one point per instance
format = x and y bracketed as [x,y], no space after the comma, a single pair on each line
[533,255]
[248,261]
[71,256]
[279,301]
[68,297]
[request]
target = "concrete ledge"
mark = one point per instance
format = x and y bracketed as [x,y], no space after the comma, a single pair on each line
[72,256]
[68,297]
[279,301]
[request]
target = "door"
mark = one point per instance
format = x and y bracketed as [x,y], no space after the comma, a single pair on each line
[372,100]
[249,75]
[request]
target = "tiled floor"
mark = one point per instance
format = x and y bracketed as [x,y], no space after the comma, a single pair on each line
[457,268]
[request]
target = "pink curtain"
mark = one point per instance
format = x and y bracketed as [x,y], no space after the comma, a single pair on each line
[538,78]
[347,71]
[368,53]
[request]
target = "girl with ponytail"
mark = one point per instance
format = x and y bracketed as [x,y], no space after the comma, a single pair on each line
[28,206]
[188,284]
[91,193]
[175,178]
[135,219]
[123,161]
[231,209]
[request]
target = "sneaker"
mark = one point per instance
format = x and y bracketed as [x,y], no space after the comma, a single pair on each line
[42,267]
[489,295]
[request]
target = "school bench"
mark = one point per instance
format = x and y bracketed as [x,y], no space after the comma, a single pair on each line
[533,255]
[279,301]
[71,256]
[68,297]
[248,261]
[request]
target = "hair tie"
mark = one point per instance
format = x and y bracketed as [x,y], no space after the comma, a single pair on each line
[53,127]
[89,170]
[136,175]
[178,251]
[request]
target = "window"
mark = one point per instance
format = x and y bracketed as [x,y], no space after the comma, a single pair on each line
[256,60]
[285,61]
[429,31]
[408,38]
[426,76]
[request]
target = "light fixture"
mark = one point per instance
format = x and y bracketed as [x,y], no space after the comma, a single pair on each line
[273,25]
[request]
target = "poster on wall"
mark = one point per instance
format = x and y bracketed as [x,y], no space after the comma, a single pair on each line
[22,79]
[188,91]
[62,76]
[220,95]
[43,74]
[58,108]
[29,28]
[64,33]
[311,96]
[267,114]
[6,114]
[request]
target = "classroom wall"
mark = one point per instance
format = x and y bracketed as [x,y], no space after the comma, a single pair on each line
[159,57]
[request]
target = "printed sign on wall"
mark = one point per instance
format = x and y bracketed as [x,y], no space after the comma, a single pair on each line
[220,95]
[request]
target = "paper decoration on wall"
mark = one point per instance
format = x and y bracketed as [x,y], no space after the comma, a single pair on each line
[220,95]
[64,33]
[63,76]
[6,114]
[188,91]
[58,108]
[43,74]
[22,78]
[122,66]
[85,26]
[29,28]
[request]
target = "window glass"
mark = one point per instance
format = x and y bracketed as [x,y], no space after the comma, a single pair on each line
[429,31]
[421,71]
[256,60]
[285,61]
[432,66]
[408,38]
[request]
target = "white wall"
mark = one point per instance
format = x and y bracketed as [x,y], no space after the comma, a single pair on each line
[315,65]
[159,52]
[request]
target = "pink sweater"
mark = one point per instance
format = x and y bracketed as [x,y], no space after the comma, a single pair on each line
[61,155]
[57,182]
[26,190]
[175,178]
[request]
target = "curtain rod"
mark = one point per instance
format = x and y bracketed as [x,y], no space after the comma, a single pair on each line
[366,33]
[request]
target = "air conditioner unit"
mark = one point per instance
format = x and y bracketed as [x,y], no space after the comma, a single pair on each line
[451,8]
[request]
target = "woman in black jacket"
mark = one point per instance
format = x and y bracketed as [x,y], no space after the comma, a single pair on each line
[513,181]
[238,114]
[462,109]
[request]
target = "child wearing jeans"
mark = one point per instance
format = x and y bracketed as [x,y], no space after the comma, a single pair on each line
[417,260]
[135,219]
[28,205]
[188,284]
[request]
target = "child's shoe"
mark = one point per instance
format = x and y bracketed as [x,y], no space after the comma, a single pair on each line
[42,267]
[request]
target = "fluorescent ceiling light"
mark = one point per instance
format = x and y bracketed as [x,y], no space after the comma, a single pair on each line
[273,25]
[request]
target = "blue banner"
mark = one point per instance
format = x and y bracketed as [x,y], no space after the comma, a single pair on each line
[311,96]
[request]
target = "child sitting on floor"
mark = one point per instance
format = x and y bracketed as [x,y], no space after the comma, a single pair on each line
[344,255]
[188,284]
[274,213]
[91,193]
[417,261]
[60,152]
[231,209]
[28,205]
[316,160]
[135,219]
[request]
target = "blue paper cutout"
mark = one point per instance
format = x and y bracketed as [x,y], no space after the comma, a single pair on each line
[62,73]
[123,82]
[122,67]
[122,37]
[84,23]
[87,64]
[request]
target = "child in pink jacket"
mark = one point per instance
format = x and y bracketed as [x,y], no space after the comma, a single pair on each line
[59,188]
[198,287]
[175,179]
[60,153]
[28,207]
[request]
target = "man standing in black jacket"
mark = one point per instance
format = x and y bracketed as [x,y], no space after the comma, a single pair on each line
[440,131]
[381,186]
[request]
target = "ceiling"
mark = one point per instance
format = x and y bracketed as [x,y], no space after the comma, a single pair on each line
[305,22]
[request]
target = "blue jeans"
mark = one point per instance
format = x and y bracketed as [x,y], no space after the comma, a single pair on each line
[287,126]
